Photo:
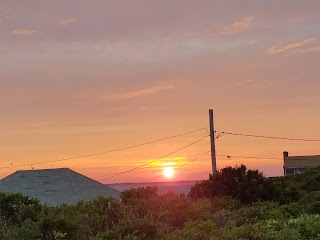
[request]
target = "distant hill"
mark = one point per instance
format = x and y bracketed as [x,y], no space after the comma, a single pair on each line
[163,187]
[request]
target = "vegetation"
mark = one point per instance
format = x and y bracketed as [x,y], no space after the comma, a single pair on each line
[235,203]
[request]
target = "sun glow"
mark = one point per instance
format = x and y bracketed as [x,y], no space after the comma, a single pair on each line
[168,172]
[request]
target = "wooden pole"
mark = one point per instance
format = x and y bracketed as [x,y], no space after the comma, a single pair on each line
[213,146]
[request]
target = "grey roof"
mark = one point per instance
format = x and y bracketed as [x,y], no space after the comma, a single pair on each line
[302,161]
[55,186]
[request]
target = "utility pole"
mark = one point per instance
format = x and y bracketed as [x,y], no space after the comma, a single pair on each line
[213,145]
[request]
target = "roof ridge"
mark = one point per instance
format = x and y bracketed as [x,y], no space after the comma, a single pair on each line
[45,169]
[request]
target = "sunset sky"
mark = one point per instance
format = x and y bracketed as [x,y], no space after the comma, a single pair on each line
[79,77]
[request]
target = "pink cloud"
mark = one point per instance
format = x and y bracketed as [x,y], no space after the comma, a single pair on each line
[23,31]
[141,92]
[289,46]
[67,21]
[238,26]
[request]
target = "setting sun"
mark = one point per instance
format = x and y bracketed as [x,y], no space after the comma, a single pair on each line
[168,172]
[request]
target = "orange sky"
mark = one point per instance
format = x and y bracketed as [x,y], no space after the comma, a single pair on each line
[80,77]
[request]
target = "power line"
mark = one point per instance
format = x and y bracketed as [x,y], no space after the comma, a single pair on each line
[218,136]
[219,155]
[201,155]
[106,152]
[270,137]
[248,157]
[140,166]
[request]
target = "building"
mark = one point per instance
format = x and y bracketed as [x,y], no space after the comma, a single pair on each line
[55,186]
[299,164]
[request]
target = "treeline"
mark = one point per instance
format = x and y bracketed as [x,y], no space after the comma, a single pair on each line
[235,203]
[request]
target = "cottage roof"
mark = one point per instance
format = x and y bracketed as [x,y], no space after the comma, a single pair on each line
[55,186]
[302,161]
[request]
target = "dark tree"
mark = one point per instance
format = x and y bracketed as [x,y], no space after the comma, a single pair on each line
[246,185]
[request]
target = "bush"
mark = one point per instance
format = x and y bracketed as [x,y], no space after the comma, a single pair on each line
[26,230]
[16,208]
[246,185]
[236,208]
[199,230]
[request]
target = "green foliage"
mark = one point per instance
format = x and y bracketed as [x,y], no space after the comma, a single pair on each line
[246,185]
[25,230]
[198,230]
[139,193]
[234,204]
[82,220]
[260,211]
[311,202]
[225,202]
[295,187]
[59,235]
[16,208]
[176,210]
[110,235]
[292,209]
[304,227]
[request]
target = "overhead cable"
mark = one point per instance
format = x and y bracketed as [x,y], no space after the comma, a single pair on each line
[104,152]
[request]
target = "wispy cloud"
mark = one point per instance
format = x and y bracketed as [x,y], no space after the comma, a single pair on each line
[40,124]
[23,31]
[307,50]
[290,46]
[238,26]
[67,21]
[140,93]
